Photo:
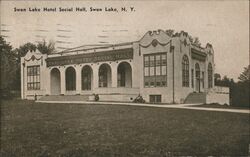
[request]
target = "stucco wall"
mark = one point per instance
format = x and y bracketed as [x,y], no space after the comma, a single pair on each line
[181,47]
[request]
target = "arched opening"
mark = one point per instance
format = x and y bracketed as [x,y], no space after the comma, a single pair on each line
[105,76]
[197,76]
[210,75]
[55,82]
[124,75]
[70,79]
[185,71]
[86,78]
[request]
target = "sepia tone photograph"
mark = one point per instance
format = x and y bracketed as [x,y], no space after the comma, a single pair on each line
[125,78]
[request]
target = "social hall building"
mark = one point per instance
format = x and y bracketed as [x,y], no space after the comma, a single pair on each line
[159,68]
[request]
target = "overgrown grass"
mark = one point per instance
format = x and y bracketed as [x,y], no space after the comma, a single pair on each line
[31,129]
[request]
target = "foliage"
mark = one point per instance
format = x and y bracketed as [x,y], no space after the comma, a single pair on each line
[46,48]
[22,50]
[217,77]
[170,32]
[8,67]
[193,40]
[11,61]
[245,75]
[239,92]
[197,41]
[226,82]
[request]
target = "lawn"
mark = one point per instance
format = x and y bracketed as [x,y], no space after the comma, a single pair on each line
[31,129]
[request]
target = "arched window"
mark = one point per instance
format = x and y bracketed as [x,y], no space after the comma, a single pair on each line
[124,75]
[185,71]
[70,79]
[210,75]
[86,77]
[55,81]
[105,75]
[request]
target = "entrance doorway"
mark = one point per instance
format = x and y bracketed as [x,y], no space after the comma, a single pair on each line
[124,75]
[55,82]
[86,78]
[70,79]
[105,76]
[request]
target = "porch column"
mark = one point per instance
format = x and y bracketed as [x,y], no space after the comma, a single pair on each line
[62,73]
[95,69]
[78,80]
[114,74]
[22,78]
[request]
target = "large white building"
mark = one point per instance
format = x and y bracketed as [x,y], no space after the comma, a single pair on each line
[158,67]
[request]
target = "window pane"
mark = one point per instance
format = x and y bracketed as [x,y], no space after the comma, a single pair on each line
[35,70]
[164,59]
[163,83]
[146,71]
[146,61]
[158,70]
[28,71]
[152,61]
[33,78]
[152,84]
[38,70]
[152,71]
[158,60]
[158,84]
[163,70]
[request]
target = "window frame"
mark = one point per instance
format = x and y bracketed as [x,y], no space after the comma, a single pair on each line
[185,71]
[33,77]
[152,80]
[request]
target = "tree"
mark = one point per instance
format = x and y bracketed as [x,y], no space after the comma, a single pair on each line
[8,65]
[170,32]
[245,75]
[197,41]
[22,50]
[45,48]
[217,77]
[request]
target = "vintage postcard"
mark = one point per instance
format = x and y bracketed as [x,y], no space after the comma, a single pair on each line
[124,78]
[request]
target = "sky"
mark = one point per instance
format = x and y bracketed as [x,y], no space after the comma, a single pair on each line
[224,24]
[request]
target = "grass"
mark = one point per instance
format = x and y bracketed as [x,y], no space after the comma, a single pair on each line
[31,129]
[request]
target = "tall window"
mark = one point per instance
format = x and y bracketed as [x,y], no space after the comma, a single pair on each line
[185,71]
[86,77]
[104,75]
[70,79]
[192,78]
[210,75]
[203,79]
[33,77]
[155,70]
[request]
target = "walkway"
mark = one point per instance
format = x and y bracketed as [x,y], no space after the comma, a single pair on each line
[180,106]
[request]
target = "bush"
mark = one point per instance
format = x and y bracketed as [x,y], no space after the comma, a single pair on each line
[239,94]
[96,97]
